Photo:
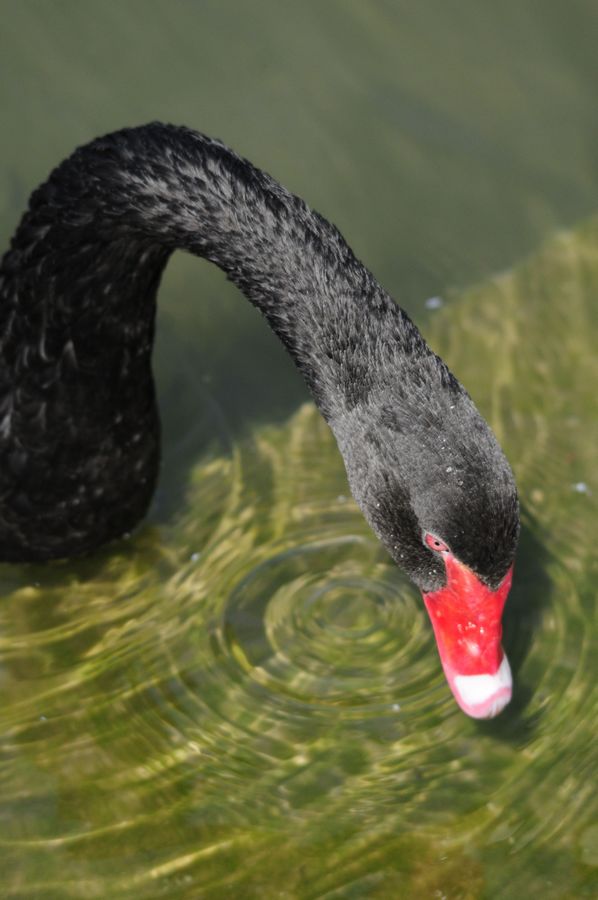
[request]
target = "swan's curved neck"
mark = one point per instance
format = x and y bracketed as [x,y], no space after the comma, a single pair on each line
[89,253]
[79,427]
[79,430]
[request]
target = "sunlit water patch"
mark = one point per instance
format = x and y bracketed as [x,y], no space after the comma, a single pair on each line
[245,700]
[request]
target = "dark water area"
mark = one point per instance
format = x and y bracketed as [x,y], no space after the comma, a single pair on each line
[244,699]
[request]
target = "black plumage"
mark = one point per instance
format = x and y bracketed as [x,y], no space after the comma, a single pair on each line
[79,426]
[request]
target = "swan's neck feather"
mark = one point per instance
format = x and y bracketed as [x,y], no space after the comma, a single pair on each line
[79,428]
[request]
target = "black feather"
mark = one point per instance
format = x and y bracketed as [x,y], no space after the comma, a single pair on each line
[79,427]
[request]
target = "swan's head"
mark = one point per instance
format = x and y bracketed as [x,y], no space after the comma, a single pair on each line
[436,488]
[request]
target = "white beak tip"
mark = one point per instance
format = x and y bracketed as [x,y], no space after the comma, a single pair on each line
[483,696]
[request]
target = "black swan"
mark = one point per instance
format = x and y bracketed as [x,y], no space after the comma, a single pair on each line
[79,427]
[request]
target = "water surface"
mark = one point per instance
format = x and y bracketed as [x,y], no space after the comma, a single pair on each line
[244,698]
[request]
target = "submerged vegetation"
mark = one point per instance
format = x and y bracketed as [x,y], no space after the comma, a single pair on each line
[244,698]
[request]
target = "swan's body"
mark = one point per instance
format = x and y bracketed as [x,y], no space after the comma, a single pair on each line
[79,428]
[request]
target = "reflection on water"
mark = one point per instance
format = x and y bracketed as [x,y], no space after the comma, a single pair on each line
[244,699]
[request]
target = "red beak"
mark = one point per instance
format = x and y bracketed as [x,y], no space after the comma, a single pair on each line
[466,617]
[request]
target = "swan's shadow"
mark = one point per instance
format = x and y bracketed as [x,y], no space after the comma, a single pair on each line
[530,595]
[210,399]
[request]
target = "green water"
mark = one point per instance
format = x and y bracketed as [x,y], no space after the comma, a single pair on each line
[244,699]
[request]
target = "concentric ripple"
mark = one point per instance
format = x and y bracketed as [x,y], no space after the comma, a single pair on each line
[308,624]
[246,701]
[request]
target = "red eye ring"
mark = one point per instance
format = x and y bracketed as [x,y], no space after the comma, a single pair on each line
[435,543]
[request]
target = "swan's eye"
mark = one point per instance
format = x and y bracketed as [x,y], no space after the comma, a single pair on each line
[435,543]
